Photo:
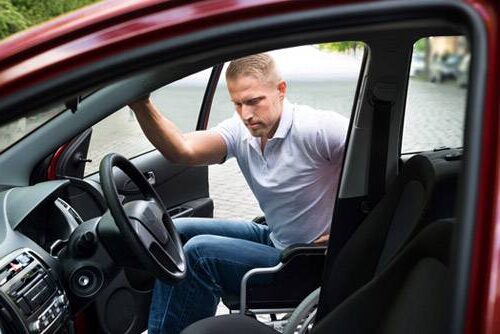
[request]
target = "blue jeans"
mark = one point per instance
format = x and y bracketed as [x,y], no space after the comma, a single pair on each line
[218,254]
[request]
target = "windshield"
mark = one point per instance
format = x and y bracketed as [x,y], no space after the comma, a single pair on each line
[18,128]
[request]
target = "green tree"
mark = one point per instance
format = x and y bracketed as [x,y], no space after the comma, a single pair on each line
[347,46]
[17,15]
[11,20]
[37,11]
[422,46]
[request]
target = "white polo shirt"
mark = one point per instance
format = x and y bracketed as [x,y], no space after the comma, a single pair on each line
[295,179]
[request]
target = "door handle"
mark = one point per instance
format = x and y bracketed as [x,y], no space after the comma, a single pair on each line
[150,177]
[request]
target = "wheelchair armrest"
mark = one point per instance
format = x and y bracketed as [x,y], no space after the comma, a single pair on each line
[291,258]
[300,250]
[294,256]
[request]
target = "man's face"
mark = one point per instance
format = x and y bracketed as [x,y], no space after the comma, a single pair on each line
[258,103]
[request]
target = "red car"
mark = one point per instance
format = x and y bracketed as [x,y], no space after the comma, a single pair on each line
[71,260]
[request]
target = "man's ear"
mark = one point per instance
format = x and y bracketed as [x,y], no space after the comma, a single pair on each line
[282,89]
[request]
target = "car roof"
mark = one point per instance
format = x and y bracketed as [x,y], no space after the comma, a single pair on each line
[113,26]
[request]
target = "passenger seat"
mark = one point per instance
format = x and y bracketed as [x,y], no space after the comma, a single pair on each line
[410,296]
[425,191]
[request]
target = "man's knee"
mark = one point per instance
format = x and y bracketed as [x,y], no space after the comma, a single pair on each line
[185,228]
[202,258]
[190,227]
[199,246]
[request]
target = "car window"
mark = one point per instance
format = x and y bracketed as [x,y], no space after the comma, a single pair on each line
[436,97]
[321,76]
[120,132]
[20,127]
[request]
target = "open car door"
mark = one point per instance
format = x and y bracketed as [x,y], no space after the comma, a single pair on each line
[124,305]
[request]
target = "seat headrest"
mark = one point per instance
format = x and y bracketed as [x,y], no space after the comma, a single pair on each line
[439,173]
[432,168]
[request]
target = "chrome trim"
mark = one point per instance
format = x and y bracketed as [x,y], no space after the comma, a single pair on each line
[246,277]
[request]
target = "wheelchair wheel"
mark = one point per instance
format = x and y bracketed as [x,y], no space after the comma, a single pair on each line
[302,319]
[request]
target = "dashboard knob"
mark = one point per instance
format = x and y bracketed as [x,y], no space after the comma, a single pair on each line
[84,281]
[60,300]
[34,327]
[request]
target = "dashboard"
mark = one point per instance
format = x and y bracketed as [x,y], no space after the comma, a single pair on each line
[42,280]
[32,297]
[51,225]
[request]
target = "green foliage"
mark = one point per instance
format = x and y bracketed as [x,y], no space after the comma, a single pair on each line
[348,46]
[421,45]
[16,15]
[37,11]
[11,20]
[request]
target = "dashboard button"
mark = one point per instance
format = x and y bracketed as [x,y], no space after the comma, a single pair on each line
[34,327]
[60,300]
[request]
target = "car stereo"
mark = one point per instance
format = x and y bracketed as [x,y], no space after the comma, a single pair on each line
[32,300]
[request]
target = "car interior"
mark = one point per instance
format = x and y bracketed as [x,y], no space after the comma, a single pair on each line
[399,250]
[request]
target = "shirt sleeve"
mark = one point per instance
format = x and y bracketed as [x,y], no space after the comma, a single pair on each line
[332,136]
[229,129]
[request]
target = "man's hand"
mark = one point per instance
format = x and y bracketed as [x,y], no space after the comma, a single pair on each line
[322,240]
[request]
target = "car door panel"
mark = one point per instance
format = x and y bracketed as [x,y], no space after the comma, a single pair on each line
[183,189]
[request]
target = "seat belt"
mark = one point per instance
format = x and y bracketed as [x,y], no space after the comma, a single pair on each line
[381,122]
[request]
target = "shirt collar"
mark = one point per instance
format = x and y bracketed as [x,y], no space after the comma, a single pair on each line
[285,120]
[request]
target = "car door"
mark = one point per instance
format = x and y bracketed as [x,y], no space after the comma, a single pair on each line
[184,189]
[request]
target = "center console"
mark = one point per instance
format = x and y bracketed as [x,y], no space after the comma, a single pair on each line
[31,298]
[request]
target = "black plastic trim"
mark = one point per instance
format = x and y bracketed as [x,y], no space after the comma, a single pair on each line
[302,250]
[206,105]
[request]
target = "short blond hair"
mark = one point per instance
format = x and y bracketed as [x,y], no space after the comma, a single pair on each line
[261,66]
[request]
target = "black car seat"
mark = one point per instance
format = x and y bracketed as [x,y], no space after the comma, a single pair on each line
[426,191]
[411,296]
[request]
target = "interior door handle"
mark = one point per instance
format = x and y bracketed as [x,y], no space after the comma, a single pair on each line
[150,177]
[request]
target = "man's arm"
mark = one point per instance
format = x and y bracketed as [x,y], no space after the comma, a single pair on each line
[195,148]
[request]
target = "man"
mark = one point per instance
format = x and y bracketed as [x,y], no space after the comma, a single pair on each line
[291,157]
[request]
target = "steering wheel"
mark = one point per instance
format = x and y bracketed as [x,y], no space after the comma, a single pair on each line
[145,224]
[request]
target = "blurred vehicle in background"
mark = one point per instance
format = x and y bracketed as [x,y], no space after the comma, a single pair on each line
[445,67]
